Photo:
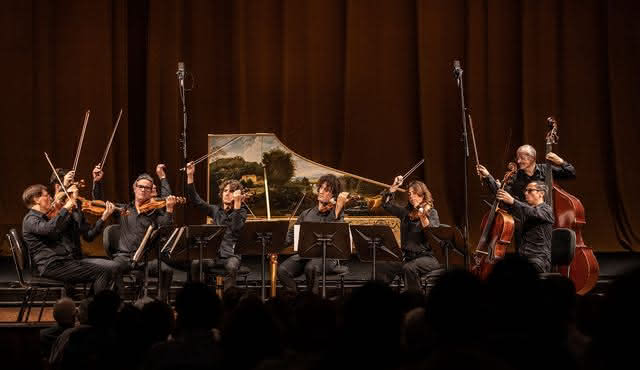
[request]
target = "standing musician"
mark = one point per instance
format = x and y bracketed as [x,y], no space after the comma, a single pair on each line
[80,228]
[329,209]
[47,247]
[537,220]
[134,225]
[418,215]
[528,171]
[232,214]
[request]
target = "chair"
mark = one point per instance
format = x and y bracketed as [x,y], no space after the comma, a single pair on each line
[33,285]
[563,249]
[219,272]
[430,279]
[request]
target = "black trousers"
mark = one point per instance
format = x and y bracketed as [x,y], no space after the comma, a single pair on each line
[79,271]
[412,270]
[230,264]
[166,274]
[295,266]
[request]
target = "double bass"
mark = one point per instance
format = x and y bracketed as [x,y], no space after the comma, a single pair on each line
[569,213]
[497,232]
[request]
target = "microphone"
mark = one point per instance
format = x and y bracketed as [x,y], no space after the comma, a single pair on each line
[457,70]
[180,73]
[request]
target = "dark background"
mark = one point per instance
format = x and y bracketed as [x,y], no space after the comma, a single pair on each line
[362,86]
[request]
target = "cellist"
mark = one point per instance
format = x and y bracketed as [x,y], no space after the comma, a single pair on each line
[536,219]
[528,171]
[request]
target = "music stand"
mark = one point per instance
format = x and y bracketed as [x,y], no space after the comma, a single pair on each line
[204,237]
[146,251]
[370,240]
[262,238]
[326,240]
[448,238]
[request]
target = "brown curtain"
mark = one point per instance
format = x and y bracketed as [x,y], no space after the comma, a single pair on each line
[363,86]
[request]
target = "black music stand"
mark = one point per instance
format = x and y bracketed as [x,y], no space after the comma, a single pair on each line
[205,238]
[324,240]
[370,240]
[146,252]
[261,238]
[449,239]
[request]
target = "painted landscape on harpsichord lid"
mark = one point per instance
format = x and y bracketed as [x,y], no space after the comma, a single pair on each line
[289,176]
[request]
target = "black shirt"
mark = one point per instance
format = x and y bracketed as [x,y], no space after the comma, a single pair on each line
[43,237]
[537,224]
[79,227]
[314,215]
[516,188]
[134,226]
[233,219]
[412,236]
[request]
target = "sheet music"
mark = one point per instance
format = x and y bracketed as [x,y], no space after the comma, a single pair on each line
[296,237]
[138,255]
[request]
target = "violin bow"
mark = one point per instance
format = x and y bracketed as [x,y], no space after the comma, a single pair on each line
[53,168]
[113,133]
[212,153]
[473,140]
[415,167]
[84,129]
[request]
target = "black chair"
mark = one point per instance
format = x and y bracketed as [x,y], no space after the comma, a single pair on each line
[110,241]
[34,284]
[563,249]
[430,279]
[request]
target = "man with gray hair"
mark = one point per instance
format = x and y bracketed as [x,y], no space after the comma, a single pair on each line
[133,226]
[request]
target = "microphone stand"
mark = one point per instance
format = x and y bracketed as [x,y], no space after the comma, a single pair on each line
[457,70]
[183,138]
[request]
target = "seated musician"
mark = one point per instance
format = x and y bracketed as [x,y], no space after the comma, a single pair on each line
[46,246]
[232,214]
[133,227]
[329,209]
[537,220]
[80,227]
[528,171]
[418,215]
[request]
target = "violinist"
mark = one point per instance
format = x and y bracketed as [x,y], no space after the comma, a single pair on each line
[44,238]
[80,227]
[537,220]
[528,171]
[232,214]
[418,215]
[329,209]
[133,226]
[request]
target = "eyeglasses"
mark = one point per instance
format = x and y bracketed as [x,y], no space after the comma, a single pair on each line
[142,187]
[529,190]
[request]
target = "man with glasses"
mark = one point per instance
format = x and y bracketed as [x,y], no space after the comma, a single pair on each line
[537,219]
[133,227]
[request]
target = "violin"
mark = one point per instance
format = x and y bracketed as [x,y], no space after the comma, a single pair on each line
[421,209]
[156,203]
[97,207]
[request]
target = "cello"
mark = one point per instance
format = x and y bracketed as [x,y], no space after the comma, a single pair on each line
[569,213]
[497,232]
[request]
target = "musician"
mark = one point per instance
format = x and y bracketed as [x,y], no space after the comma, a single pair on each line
[537,223]
[133,227]
[329,209]
[232,214]
[165,188]
[80,227]
[414,218]
[528,171]
[44,239]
